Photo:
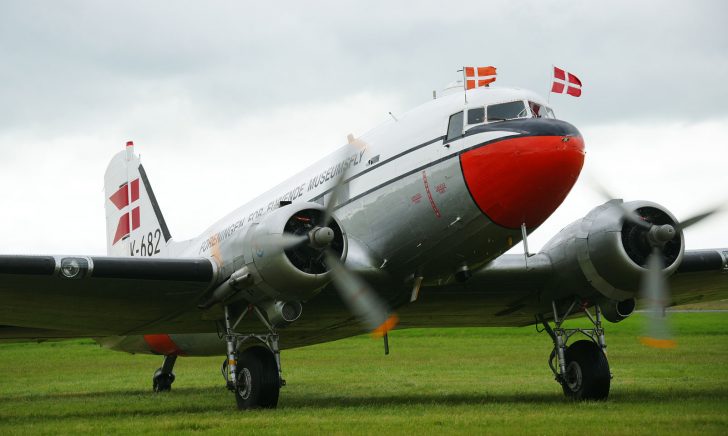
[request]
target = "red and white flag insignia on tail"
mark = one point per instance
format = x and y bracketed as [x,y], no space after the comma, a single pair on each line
[478,76]
[121,199]
[565,81]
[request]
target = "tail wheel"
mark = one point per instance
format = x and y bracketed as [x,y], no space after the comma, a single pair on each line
[258,381]
[587,372]
[162,382]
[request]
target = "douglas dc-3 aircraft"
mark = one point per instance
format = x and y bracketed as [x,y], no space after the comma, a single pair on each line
[413,217]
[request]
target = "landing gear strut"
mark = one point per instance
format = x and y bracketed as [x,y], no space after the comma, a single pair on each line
[254,374]
[582,368]
[164,377]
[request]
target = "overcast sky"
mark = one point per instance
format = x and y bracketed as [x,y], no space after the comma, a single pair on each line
[226,99]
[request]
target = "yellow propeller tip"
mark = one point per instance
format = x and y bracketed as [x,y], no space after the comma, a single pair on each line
[386,326]
[658,343]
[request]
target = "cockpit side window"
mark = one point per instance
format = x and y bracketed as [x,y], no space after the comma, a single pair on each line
[507,111]
[455,128]
[476,116]
[539,111]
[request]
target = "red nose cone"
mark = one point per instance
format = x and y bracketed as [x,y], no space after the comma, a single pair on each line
[523,179]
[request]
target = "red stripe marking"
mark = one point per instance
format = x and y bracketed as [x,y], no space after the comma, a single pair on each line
[122,229]
[134,190]
[429,195]
[135,218]
[120,198]
[163,344]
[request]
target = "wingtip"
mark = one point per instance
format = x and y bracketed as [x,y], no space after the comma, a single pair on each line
[386,326]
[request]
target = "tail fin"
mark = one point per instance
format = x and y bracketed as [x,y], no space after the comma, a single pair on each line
[134,223]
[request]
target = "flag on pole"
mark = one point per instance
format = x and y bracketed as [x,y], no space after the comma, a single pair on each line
[478,76]
[565,81]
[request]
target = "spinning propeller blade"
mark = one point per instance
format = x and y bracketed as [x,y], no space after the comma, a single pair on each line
[359,297]
[655,291]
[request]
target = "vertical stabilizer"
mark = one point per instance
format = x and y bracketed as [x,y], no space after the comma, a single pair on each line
[134,223]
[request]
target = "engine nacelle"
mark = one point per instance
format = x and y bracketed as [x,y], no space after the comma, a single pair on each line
[616,311]
[288,274]
[605,252]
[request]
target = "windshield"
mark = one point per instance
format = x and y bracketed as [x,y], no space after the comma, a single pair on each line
[540,111]
[507,111]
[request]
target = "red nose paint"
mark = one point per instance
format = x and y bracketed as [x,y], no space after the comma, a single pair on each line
[523,180]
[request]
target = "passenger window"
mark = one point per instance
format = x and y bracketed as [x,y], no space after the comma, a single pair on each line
[455,128]
[476,116]
[506,111]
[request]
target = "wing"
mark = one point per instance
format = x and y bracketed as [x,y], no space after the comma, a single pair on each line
[512,290]
[97,296]
[702,276]
[509,291]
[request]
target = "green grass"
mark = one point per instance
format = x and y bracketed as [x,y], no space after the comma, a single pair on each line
[448,381]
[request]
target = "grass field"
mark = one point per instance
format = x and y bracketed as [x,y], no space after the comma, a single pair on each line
[451,381]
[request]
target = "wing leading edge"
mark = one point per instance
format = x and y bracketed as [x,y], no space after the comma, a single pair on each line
[97,296]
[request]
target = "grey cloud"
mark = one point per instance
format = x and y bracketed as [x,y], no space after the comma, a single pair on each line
[75,64]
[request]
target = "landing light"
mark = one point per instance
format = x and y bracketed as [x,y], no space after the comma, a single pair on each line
[73,268]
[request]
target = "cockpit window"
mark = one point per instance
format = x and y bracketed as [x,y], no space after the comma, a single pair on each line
[455,128]
[539,111]
[507,111]
[476,116]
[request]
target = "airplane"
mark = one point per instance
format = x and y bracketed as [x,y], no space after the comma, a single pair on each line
[406,226]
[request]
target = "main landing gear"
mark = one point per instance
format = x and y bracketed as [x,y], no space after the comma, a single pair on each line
[582,368]
[164,377]
[253,374]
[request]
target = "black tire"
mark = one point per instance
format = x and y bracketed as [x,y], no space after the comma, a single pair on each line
[162,382]
[258,383]
[587,372]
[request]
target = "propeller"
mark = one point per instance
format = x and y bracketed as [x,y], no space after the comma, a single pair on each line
[359,297]
[654,287]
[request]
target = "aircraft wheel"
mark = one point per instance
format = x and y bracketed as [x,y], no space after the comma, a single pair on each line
[587,372]
[258,382]
[162,382]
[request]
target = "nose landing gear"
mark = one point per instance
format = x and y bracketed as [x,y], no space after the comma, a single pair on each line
[582,368]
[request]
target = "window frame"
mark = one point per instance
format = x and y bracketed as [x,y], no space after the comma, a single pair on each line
[482,121]
[525,105]
[461,130]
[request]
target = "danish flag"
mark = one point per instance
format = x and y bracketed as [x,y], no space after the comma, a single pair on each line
[121,199]
[478,76]
[568,81]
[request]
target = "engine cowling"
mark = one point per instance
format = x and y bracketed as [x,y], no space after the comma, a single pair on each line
[292,273]
[603,252]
